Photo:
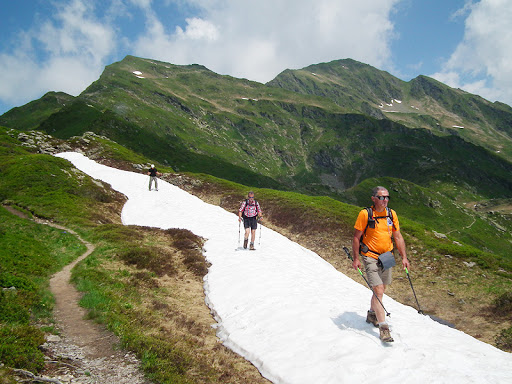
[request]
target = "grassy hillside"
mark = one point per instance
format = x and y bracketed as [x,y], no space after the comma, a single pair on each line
[31,115]
[128,262]
[149,274]
[29,255]
[194,120]
[420,103]
[348,83]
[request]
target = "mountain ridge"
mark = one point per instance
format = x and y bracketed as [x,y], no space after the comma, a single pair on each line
[266,130]
[422,102]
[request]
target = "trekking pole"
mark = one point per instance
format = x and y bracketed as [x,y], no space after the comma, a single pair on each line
[367,282]
[238,233]
[259,240]
[414,293]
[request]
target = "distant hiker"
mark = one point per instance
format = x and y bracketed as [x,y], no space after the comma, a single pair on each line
[372,239]
[250,211]
[153,173]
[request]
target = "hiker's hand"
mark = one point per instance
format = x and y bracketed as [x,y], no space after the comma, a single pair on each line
[239,219]
[356,264]
[405,263]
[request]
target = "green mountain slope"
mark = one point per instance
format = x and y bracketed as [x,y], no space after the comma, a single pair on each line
[193,119]
[314,137]
[144,273]
[421,103]
[31,115]
[350,84]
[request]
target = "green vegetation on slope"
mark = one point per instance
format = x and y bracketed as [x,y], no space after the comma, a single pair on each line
[420,103]
[194,120]
[309,135]
[29,255]
[31,115]
[128,262]
[119,276]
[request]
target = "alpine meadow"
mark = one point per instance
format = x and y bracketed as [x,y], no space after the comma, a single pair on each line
[311,144]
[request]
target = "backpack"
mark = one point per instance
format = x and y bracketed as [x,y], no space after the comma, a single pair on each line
[372,220]
[247,204]
[371,223]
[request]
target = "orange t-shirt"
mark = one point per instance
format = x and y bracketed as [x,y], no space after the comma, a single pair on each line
[377,239]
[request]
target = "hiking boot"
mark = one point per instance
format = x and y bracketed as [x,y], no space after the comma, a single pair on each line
[371,317]
[252,247]
[385,335]
[245,243]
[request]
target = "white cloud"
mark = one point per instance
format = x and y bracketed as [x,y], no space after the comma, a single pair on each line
[243,38]
[66,53]
[482,62]
[259,39]
[198,29]
[76,33]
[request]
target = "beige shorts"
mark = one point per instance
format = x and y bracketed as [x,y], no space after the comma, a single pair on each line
[376,275]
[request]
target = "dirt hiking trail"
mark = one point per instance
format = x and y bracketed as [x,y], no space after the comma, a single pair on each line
[84,352]
[102,361]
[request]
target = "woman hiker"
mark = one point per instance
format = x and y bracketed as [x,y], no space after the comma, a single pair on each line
[249,212]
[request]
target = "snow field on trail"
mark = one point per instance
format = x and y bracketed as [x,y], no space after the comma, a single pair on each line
[290,313]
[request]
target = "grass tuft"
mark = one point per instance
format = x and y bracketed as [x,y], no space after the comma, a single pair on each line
[154,259]
[504,340]
[503,305]
[19,347]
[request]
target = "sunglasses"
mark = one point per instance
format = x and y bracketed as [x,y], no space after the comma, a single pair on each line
[382,197]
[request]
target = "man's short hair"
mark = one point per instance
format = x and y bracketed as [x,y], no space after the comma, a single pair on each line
[378,189]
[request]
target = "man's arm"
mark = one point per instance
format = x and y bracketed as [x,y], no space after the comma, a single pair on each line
[400,245]
[356,243]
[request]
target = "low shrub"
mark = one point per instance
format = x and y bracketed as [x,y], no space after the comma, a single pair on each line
[12,309]
[154,259]
[19,347]
[504,340]
[503,305]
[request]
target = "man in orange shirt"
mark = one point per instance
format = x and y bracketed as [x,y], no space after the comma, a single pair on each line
[371,239]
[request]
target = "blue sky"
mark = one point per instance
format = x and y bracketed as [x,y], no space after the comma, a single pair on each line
[64,45]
